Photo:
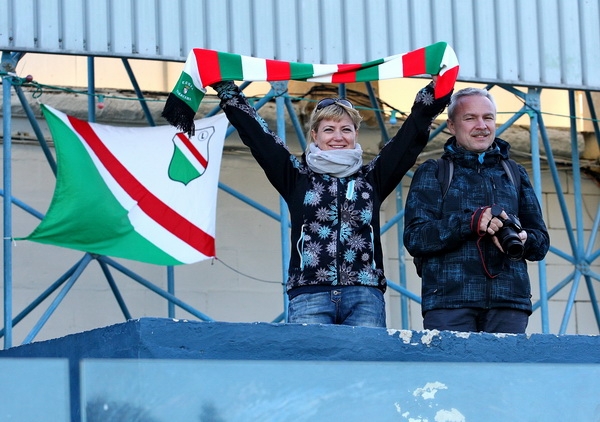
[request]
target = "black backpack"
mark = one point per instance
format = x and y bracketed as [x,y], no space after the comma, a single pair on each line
[444,174]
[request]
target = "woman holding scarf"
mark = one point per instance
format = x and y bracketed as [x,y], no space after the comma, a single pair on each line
[336,273]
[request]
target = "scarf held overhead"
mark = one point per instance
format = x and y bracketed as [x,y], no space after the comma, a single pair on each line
[206,67]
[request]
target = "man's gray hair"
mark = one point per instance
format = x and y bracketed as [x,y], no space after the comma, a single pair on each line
[467,92]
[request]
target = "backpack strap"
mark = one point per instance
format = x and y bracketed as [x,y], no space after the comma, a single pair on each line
[512,170]
[444,174]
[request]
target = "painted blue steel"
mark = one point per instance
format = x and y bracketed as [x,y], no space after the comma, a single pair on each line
[171,290]
[7,201]
[557,184]
[404,318]
[570,301]
[404,291]
[280,318]
[36,128]
[24,206]
[594,233]
[115,289]
[589,274]
[437,131]
[295,123]
[593,297]
[592,109]
[154,288]
[563,283]
[591,255]
[532,101]
[58,299]
[396,219]
[279,89]
[578,246]
[35,303]
[250,201]
[378,115]
[563,255]
[138,92]
[510,121]
[91,75]
[576,176]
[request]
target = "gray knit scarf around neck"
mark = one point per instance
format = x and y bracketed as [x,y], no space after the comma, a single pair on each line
[337,163]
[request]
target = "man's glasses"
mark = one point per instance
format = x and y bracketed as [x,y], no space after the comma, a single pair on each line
[325,102]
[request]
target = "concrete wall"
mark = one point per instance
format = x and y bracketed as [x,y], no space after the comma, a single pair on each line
[269,366]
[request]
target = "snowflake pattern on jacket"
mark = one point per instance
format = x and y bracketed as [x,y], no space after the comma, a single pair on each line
[335,223]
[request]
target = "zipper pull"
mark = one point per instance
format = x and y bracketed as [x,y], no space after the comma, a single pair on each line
[350,190]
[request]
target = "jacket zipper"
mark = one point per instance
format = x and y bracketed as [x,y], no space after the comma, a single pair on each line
[300,247]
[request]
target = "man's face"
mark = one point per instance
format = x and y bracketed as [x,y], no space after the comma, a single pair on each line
[474,124]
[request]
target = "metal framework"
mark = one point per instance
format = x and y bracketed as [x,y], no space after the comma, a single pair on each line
[580,252]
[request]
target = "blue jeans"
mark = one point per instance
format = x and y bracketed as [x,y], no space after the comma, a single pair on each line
[350,305]
[496,320]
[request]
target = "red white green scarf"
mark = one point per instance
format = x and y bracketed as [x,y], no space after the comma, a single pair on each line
[206,67]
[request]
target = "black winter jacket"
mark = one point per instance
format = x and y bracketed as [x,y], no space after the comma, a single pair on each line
[438,230]
[335,227]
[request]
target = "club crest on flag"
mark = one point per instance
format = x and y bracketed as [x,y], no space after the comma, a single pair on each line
[190,155]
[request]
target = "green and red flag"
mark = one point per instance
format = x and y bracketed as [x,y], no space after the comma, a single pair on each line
[206,67]
[146,194]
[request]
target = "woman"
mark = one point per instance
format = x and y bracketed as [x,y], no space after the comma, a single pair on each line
[336,271]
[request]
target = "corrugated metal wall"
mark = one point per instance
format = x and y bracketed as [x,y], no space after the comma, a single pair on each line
[549,43]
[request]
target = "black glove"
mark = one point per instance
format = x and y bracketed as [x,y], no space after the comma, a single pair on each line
[427,106]
[225,89]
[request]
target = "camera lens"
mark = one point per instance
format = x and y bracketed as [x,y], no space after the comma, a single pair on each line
[510,240]
[513,248]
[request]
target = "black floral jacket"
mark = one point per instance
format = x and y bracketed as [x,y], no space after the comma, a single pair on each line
[335,223]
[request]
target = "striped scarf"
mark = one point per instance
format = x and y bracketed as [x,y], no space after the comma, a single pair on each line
[206,67]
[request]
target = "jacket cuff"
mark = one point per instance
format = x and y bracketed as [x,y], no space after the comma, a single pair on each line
[476,219]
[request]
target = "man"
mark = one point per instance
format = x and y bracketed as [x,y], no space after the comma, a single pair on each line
[472,254]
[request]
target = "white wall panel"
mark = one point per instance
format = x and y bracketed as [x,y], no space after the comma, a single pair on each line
[145,27]
[485,37]
[73,25]
[120,24]
[546,43]
[262,34]
[570,45]
[507,45]
[47,29]
[169,34]
[191,15]
[590,46]
[287,35]
[400,28]
[97,35]
[528,45]
[22,23]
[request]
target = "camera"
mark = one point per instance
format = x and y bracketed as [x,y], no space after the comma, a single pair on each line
[509,238]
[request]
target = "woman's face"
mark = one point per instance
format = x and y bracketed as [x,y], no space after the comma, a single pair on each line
[331,135]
